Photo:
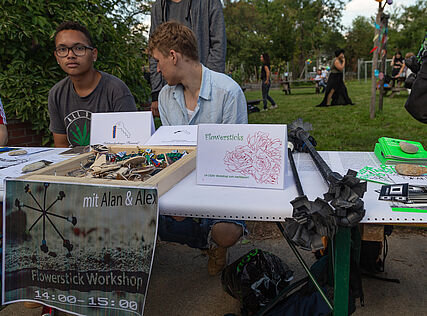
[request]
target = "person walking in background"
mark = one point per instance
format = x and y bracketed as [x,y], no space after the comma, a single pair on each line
[336,91]
[206,20]
[266,81]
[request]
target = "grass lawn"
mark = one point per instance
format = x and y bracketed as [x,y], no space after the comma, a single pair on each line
[347,127]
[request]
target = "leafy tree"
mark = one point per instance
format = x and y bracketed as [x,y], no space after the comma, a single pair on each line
[359,41]
[245,38]
[28,68]
[407,28]
[289,30]
[317,25]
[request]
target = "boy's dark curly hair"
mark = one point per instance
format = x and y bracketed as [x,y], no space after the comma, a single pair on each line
[71,25]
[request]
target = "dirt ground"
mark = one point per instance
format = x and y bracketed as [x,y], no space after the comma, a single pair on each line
[268,230]
[181,286]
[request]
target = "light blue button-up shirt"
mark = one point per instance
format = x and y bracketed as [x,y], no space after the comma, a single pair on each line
[221,101]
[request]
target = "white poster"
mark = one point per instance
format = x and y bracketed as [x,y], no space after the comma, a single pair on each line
[242,155]
[82,248]
[121,128]
[179,135]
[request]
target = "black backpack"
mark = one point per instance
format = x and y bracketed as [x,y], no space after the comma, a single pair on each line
[241,280]
[255,279]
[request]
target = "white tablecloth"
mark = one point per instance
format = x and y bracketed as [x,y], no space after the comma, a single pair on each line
[16,163]
[189,199]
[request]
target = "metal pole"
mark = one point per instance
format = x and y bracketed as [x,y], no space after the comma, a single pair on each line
[366,72]
[295,173]
[358,70]
[326,172]
[306,70]
[290,242]
[306,268]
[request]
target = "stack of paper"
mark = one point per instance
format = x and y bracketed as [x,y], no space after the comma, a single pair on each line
[388,175]
[388,152]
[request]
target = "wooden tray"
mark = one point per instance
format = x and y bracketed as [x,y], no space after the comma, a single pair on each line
[164,180]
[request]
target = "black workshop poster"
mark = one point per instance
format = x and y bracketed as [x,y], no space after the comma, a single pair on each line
[82,248]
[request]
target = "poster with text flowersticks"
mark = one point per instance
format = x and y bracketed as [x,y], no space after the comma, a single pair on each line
[241,155]
[81,248]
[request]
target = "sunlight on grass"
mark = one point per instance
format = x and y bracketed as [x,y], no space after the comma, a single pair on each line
[343,127]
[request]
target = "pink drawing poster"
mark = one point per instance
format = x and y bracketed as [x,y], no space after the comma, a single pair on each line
[242,155]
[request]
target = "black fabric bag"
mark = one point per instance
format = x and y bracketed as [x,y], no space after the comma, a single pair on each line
[308,301]
[416,104]
[255,279]
[253,109]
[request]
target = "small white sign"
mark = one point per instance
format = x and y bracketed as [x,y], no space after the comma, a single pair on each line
[121,128]
[242,155]
[179,135]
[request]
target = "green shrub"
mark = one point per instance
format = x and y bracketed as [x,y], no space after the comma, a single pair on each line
[237,76]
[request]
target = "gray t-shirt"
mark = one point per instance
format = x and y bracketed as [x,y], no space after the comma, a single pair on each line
[71,114]
[178,11]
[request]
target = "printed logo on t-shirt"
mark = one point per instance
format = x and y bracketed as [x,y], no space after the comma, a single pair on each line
[78,127]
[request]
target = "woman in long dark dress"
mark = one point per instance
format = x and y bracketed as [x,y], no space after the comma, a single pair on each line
[336,91]
[266,81]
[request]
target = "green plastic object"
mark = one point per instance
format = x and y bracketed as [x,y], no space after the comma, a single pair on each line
[388,151]
[342,271]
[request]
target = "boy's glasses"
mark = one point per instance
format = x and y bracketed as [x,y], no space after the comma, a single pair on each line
[78,50]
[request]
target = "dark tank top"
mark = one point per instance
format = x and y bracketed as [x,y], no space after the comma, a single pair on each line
[263,72]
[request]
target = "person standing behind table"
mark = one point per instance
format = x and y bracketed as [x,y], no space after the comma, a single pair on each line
[84,91]
[336,91]
[266,81]
[193,95]
[206,19]
[3,128]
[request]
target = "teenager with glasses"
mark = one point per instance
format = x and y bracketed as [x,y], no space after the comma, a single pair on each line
[84,91]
